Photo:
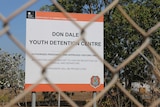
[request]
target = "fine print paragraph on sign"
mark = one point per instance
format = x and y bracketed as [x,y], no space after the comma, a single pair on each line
[47,35]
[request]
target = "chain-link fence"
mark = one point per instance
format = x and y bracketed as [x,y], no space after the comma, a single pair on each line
[115,81]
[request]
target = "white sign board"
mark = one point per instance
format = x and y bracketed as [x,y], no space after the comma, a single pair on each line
[47,35]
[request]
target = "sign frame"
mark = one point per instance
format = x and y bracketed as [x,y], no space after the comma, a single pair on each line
[82,69]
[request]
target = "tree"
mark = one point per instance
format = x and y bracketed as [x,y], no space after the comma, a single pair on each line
[121,39]
[12,74]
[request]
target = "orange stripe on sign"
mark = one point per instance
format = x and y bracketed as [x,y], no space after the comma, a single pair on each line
[66,87]
[60,16]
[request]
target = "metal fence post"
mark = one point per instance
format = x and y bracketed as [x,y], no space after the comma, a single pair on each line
[59,99]
[94,96]
[33,99]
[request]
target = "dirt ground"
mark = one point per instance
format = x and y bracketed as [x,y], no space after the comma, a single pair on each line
[80,98]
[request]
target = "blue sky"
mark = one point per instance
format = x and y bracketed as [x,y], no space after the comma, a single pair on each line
[18,24]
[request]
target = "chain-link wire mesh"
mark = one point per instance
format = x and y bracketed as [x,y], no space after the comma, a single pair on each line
[114,82]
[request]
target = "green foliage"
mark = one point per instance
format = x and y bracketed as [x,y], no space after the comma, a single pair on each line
[122,39]
[76,6]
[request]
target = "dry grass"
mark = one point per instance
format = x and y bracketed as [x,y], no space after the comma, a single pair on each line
[7,94]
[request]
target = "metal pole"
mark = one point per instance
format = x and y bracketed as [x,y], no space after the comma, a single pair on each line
[59,100]
[94,96]
[33,99]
